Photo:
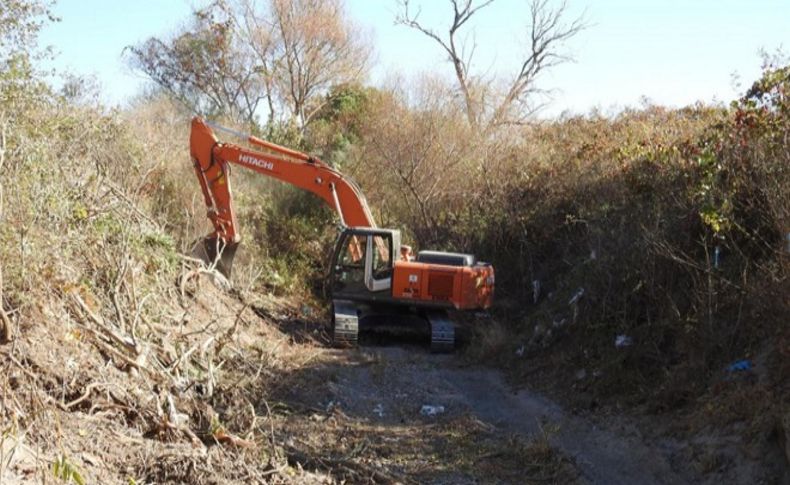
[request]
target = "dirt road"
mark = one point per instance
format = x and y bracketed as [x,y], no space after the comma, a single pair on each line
[412,378]
[449,422]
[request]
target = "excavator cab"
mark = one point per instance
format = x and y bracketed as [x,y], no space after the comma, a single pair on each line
[363,262]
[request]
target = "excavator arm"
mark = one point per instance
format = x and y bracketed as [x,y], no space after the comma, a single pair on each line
[212,159]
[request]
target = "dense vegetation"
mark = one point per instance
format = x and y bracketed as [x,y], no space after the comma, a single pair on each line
[673,223]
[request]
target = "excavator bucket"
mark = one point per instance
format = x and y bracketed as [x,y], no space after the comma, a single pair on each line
[216,253]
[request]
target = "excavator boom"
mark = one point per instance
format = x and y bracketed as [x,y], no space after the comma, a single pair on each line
[212,159]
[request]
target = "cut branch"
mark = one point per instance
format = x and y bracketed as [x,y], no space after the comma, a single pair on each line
[5,321]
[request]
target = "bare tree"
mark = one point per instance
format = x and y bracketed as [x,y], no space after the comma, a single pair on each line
[546,34]
[20,23]
[255,27]
[412,153]
[318,47]
[237,53]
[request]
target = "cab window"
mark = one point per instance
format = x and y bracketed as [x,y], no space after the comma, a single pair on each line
[382,256]
[354,252]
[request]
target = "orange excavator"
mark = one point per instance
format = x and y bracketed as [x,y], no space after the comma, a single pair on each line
[370,272]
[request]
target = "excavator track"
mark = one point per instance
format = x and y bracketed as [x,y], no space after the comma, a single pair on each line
[442,331]
[345,323]
[346,317]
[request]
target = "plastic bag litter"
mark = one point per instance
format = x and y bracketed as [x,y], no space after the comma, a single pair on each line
[740,365]
[378,410]
[332,405]
[429,410]
[306,311]
[576,296]
[622,341]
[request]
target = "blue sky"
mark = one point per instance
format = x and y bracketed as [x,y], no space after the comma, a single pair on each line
[673,52]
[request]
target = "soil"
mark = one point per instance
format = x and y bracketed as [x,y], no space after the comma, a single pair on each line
[278,404]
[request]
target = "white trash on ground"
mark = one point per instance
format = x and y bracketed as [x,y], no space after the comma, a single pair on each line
[332,405]
[378,410]
[576,296]
[622,341]
[429,410]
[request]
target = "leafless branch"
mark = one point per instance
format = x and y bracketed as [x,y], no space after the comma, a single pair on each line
[462,12]
[546,34]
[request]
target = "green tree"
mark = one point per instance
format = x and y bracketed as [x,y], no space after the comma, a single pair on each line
[20,23]
[205,66]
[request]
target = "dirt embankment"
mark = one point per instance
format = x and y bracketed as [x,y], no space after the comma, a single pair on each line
[243,389]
